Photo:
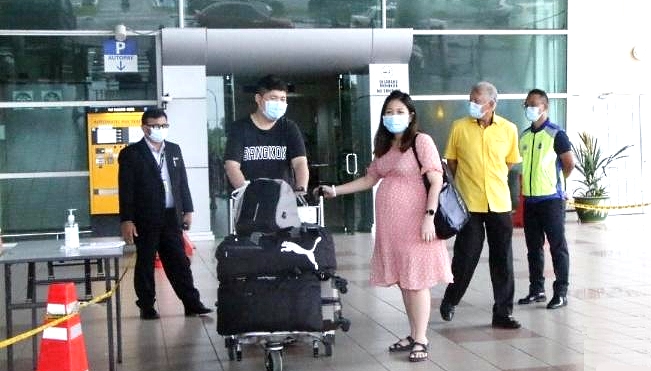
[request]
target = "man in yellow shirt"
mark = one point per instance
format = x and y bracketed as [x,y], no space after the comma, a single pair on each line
[481,149]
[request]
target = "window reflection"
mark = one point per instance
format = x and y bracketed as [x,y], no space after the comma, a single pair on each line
[481,14]
[154,14]
[444,64]
[238,14]
[66,68]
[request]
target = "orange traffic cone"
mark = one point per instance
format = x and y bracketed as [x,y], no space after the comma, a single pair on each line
[518,215]
[187,245]
[62,346]
[157,262]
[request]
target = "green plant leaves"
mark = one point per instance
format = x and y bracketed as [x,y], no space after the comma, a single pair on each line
[592,164]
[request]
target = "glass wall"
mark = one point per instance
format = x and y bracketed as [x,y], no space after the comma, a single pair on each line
[284,14]
[87,14]
[46,85]
[516,45]
[436,116]
[155,14]
[43,158]
[48,80]
[451,64]
[478,14]
[72,68]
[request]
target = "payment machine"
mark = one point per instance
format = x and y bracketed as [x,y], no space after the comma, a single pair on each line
[109,130]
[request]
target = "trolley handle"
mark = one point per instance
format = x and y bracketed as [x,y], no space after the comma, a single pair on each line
[300,196]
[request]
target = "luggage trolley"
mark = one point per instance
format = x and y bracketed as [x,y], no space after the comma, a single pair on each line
[331,286]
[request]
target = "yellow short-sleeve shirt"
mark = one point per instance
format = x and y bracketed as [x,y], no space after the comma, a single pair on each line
[482,155]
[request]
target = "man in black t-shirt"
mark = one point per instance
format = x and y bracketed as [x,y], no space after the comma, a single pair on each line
[266,144]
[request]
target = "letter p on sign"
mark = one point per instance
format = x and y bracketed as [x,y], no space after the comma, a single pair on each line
[120,46]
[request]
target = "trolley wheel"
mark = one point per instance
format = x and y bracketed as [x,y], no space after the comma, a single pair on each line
[328,341]
[231,352]
[328,350]
[345,324]
[274,361]
[315,348]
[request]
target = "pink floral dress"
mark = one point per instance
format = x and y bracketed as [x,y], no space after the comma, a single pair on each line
[400,255]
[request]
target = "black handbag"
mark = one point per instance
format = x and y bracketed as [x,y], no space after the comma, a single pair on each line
[452,212]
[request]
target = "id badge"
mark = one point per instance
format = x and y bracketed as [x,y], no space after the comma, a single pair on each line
[166,185]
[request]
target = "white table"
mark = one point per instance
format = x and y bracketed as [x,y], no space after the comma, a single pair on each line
[48,251]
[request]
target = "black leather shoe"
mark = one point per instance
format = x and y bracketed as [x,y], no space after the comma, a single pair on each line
[447,311]
[148,313]
[506,322]
[198,310]
[533,298]
[557,302]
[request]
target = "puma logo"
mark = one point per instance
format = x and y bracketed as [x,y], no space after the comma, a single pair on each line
[289,246]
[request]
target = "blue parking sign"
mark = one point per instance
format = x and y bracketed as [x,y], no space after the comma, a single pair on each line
[120,56]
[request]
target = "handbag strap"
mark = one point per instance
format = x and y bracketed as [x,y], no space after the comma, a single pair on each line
[446,178]
[413,148]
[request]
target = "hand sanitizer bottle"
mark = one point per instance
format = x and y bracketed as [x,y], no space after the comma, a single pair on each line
[71,231]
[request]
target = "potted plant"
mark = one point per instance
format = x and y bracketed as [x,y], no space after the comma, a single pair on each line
[592,163]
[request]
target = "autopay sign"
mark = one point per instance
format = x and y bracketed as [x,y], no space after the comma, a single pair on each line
[120,56]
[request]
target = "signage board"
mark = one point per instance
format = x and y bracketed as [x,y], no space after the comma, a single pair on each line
[120,56]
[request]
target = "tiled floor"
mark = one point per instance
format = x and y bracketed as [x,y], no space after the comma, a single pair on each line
[607,325]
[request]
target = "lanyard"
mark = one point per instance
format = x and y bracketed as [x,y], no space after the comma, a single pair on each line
[162,161]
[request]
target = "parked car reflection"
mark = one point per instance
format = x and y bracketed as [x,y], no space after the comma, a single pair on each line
[239,14]
[373,17]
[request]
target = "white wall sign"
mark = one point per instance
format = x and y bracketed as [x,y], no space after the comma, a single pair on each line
[385,78]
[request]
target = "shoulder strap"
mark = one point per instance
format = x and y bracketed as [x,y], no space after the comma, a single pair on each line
[446,172]
[413,147]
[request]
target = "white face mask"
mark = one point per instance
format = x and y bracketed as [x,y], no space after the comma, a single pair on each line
[274,109]
[532,113]
[158,135]
[475,110]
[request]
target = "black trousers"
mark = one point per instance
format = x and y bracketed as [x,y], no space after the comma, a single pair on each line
[167,241]
[498,229]
[546,218]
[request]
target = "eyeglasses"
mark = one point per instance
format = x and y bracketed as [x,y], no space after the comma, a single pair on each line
[156,126]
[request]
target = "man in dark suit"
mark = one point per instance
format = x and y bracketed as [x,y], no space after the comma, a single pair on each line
[155,204]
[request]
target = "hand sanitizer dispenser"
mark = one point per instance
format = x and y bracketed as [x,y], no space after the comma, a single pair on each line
[71,230]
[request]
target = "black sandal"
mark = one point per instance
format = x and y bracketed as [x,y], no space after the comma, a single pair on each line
[418,352]
[399,346]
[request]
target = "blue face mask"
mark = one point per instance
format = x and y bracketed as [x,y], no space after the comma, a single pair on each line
[475,110]
[532,113]
[274,109]
[396,123]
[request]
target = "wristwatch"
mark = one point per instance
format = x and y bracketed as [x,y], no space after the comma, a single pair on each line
[429,212]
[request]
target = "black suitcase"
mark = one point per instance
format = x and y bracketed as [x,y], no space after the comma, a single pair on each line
[309,249]
[269,303]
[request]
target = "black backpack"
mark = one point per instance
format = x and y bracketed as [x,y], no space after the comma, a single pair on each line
[266,206]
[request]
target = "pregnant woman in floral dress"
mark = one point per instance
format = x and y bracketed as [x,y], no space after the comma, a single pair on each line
[407,252]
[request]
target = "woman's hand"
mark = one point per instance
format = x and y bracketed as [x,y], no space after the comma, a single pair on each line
[427,231]
[327,191]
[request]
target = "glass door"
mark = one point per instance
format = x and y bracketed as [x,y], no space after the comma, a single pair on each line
[333,115]
[354,143]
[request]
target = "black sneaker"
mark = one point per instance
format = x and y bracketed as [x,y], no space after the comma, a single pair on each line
[148,313]
[447,311]
[533,298]
[506,322]
[198,310]
[557,302]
